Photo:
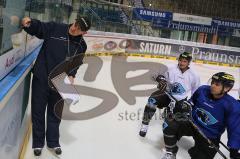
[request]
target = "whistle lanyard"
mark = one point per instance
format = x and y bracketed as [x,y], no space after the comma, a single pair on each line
[68,53]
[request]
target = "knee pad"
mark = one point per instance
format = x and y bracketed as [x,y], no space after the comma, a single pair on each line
[164,125]
[152,103]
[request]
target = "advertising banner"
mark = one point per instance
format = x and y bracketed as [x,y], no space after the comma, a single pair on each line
[106,44]
[179,21]
[10,60]
[149,15]
[119,43]
[226,23]
[171,49]
[185,26]
[192,19]
[10,127]
[13,57]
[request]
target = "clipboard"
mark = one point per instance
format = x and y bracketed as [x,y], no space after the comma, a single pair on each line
[66,90]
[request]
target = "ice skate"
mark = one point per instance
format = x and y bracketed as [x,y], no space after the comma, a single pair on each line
[169,155]
[143,130]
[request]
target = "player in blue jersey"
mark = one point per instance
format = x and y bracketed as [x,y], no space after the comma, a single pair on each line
[239,94]
[213,111]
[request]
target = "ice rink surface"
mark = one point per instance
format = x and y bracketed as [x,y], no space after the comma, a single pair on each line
[113,134]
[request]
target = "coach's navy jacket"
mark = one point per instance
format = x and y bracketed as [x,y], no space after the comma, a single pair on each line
[55,46]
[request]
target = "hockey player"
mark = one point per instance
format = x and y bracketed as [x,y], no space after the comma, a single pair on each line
[183,81]
[239,94]
[212,111]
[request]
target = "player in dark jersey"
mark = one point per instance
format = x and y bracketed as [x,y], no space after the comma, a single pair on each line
[213,111]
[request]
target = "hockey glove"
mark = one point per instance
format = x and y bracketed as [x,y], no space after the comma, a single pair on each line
[183,110]
[183,106]
[234,154]
[160,78]
[162,82]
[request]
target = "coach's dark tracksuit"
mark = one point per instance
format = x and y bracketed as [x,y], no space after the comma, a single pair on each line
[54,51]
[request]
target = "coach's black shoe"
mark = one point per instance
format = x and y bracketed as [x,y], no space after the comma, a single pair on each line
[57,150]
[37,151]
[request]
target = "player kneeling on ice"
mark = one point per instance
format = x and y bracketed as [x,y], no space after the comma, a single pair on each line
[212,110]
[239,94]
[183,81]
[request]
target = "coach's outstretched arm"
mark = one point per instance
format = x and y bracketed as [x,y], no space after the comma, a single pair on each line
[37,28]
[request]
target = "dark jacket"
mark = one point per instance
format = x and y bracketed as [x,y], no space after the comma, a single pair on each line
[55,46]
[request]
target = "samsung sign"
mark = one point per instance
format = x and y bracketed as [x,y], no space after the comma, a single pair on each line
[149,15]
[226,24]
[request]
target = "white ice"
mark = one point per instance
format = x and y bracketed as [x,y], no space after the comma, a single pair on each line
[114,135]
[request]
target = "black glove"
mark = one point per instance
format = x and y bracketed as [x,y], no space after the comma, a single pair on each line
[162,82]
[183,106]
[162,86]
[182,110]
[234,154]
[187,106]
[160,78]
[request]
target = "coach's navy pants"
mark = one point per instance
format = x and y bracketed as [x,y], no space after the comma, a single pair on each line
[43,97]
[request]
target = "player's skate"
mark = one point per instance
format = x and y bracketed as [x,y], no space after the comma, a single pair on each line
[143,130]
[169,155]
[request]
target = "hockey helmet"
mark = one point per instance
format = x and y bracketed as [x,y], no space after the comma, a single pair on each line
[186,55]
[224,78]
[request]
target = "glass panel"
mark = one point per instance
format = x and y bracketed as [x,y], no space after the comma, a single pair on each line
[234,41]
[221,40]
[11,12]
[104,17]
[165,33]
[189,35]
[194,36]
[175,34]
[209,38]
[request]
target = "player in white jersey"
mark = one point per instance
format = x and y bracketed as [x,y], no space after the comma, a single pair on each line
[183,82]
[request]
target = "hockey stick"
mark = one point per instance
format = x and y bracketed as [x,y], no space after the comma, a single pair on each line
[225,146]
[199,131]
[209,141]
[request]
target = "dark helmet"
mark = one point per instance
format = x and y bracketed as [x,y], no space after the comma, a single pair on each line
[226,79]
[186,55]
